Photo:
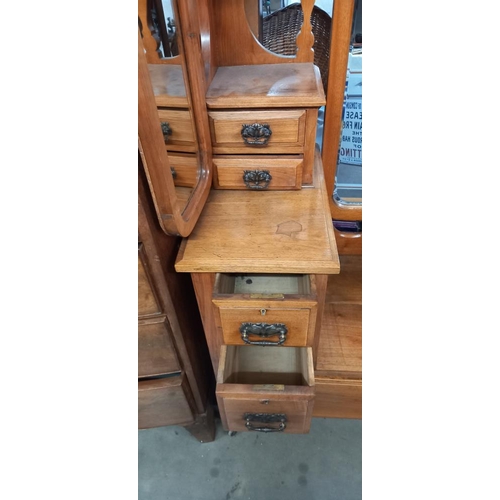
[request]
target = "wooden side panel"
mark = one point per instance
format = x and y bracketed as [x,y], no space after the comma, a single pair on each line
[156,351]
[203,285]
[337,398]
[164,402]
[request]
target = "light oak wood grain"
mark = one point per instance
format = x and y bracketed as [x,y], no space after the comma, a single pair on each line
[273,232]
[286,172]
[266,85]
[297,322]
[287,126]
[339,54]
[271,381]
[340,341]
[337,398]
[234,43]
[181,125]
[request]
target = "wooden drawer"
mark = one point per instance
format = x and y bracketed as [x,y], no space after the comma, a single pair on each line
[148,303]
[156,353]
[186,168]
[258,172]
[266,389]
[287,131]
[266,309]
[164,401]
[183,136]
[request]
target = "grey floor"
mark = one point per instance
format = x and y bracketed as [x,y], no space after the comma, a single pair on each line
[322,465]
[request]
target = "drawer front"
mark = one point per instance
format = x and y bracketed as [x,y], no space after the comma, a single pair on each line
[265,390]
[182,136]
[267,414]
[258,173]
[164,402]
[148,304]
[185,169]
[296,326]
[156,352]
[257,132]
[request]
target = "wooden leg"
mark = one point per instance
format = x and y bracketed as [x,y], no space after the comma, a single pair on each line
[203,428]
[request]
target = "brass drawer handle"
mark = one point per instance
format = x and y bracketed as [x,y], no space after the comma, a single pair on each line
[256,134]
[265,418]
[263,330]
[165,128]
[257,179]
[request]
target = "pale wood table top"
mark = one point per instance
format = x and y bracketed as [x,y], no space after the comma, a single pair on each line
[263,232]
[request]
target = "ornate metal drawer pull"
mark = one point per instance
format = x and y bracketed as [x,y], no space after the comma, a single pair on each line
[257,179]
[263,330]
[165,128]
[256,134]
[265,418]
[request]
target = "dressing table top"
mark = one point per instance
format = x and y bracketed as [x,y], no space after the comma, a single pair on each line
[264,232]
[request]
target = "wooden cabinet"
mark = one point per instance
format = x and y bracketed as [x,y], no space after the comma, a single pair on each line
[173,368]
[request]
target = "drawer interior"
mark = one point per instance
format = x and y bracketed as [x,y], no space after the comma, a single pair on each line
[263,284]
[255,365]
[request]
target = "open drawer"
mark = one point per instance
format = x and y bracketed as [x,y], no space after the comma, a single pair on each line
[266,390]
[266,309]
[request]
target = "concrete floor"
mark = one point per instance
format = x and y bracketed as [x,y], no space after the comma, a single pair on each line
[322,465]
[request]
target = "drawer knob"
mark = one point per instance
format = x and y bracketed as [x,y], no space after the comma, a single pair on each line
[256,134]
[263,330]
[257,179]
[165,128]
[266,418]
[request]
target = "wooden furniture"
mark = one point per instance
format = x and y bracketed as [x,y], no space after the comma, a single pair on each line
[260,246]
[173,369]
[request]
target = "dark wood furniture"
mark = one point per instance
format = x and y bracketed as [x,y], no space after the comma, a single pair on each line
[175,378]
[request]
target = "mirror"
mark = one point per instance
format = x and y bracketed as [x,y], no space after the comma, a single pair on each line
[174,145]
[167,71]
[348,185]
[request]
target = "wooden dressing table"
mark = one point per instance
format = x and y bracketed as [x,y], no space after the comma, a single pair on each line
[259,242]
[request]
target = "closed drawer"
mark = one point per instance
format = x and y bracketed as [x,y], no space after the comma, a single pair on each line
[164,401]
[258,172]
[181,135]
[257,131]
[185,169]
[156,352]
[148,303]
[265,309]
[266,390]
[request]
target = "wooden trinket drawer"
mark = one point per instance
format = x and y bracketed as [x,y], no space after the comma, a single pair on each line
[251,132]
[258,172]
[266,390]
[265,309]
[178,130]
